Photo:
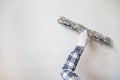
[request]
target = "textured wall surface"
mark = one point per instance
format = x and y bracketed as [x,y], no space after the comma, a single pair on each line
[33,46]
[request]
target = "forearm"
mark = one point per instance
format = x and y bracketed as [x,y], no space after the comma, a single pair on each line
[68,68]
[73,58]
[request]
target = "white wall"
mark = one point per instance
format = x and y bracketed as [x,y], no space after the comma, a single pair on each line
[33,46]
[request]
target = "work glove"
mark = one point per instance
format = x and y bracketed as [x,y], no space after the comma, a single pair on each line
[83,38]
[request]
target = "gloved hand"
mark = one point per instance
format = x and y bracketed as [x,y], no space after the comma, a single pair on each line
[83,38]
